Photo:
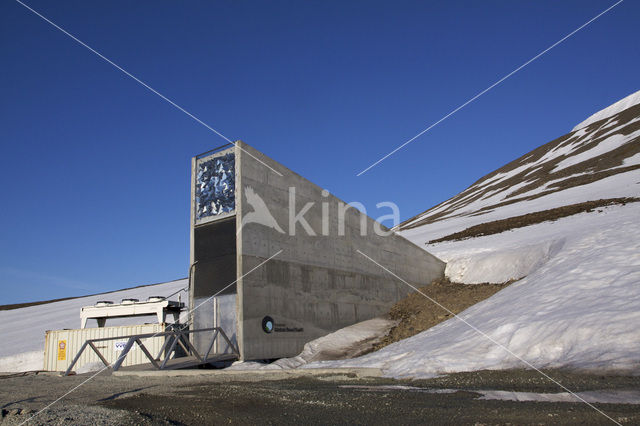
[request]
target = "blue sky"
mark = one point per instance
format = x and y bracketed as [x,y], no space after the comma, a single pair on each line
[95,168]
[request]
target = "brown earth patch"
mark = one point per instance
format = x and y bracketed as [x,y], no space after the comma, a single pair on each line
[498,226]
[417,313]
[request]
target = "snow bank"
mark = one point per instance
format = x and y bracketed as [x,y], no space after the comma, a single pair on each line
[578,307]
[344,343]
[26,361]
[23,330]
[90,367]
[499,266]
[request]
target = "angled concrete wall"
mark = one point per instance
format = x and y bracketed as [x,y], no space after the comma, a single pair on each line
[317,284]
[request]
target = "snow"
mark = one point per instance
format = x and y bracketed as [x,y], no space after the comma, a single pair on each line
[602,397]
[609,138]
[578,306]
[619,185]
[611,187]
[631,161]
[619,106]
[25,328]
[339,344]
[601,148]
[614,396]
[25,361]
[498,266]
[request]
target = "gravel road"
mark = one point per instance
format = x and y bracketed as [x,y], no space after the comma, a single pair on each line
[125,400]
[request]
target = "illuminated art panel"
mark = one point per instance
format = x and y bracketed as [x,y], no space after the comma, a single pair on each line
[215,186]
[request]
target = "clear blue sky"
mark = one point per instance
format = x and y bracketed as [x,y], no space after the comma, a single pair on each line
[95,168]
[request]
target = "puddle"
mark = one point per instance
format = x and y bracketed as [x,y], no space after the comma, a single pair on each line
[599,396]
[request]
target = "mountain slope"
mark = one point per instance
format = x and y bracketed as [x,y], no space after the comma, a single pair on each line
[621,105]
[599,160]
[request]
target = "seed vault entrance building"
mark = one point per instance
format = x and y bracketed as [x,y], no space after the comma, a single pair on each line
[277,283]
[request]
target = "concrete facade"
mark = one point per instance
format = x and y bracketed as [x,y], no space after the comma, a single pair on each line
[318,282]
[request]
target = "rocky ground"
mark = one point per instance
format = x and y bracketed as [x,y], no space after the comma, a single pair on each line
[206,399]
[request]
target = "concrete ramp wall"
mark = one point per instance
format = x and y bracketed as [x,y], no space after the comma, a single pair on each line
[318,283]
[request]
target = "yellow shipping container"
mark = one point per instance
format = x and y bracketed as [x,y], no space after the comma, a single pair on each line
[61,346]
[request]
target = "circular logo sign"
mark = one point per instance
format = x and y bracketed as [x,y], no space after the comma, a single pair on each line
[267,324]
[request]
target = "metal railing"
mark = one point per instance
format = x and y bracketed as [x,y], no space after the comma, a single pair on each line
[174,338]
[211,151]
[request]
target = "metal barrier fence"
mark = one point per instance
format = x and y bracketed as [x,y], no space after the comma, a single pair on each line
[173,339]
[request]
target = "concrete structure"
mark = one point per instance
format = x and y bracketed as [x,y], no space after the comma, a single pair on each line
[247,208]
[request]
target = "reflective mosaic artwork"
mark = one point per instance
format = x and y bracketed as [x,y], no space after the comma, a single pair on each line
[215,186]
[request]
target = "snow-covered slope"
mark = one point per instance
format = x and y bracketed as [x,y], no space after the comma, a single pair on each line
[577,303]
[601,160]
[621,105]
[23,329]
